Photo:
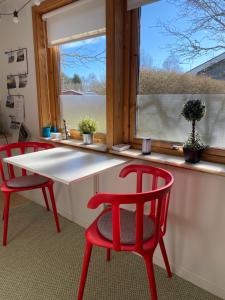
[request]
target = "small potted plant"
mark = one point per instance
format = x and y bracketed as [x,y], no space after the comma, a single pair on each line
[87,127]
[193,111]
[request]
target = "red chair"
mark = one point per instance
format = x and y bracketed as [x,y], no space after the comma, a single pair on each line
[12,183]
[122,230]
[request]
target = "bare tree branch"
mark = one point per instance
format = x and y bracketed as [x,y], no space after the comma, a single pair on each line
[82,56]
[202,30]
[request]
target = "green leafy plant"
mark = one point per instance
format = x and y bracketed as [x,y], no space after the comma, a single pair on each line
[196,145]
[87,125]
[193,111]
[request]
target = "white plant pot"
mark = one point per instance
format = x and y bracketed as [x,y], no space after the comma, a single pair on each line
[88,138]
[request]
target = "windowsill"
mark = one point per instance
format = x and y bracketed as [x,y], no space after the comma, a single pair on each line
[77,143]
[175,161]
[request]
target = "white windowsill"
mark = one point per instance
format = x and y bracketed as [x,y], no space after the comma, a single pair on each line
[77,143]
[175,161]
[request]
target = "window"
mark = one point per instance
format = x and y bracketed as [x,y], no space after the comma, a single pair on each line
[83,81]
[68,21]
[181,58]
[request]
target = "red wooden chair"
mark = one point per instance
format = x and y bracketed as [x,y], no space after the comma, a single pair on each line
[122,230]
[12,183]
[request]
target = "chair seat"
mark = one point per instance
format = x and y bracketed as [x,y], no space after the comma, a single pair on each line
[127,227]
[26,181]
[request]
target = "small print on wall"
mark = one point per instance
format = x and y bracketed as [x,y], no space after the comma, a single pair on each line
[24,133]
[10,101]
[22,80]
[14,123]
[11,58]
[11,82]
[20,55]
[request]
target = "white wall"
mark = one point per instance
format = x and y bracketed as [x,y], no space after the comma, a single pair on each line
[13,37]
[195,238]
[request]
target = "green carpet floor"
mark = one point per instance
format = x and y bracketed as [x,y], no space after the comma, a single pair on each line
[39,264]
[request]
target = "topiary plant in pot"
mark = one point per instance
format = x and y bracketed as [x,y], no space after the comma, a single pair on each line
[87,127]
[193,111]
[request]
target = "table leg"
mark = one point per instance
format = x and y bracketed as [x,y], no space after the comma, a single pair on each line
[70,197]
[96,184]
[96,188]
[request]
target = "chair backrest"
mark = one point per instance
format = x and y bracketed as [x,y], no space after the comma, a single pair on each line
[157,196]
[19,148]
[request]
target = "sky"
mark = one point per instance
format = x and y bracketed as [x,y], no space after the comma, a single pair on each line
[88,47]
[154,43]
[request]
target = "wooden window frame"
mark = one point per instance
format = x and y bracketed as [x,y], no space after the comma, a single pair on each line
[122,64]
[47,69]
[47,75]
[211,154]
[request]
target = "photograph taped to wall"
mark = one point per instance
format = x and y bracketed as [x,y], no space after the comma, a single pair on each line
[22,80]
[24,133]
[14,123]
[10,101]
[11,58]
[19,108]
[20,55]
[17,62]
[11,82]
[16,113]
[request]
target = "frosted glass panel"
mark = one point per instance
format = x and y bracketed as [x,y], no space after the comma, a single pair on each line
[158,117]
[75,108]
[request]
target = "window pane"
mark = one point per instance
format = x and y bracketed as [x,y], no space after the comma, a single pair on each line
[83,81]
[181,58]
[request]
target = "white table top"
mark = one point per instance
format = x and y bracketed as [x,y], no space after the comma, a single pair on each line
[66,165]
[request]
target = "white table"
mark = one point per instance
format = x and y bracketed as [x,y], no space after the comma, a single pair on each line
[69,165]
[66,165]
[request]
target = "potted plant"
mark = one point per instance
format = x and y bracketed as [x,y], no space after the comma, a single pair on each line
[193,111]
[87,127]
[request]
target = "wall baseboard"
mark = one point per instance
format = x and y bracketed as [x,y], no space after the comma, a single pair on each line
[193,278]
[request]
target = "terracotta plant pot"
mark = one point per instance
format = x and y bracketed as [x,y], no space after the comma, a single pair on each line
[192,155]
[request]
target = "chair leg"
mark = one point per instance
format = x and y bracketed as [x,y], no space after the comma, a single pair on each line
[108,254]
[6,217]
[86,260]
[165,257]
[52,197]
[45,197]
[151,276]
